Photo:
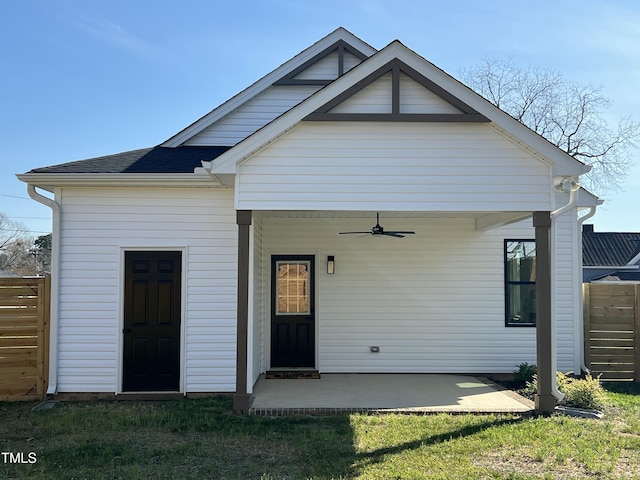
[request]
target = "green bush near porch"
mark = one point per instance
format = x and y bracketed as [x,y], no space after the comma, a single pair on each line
[587,392]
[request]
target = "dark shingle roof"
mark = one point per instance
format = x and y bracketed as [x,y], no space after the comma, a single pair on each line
[146,160]
[609,249]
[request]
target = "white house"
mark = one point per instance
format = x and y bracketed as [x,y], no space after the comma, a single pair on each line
[202,263]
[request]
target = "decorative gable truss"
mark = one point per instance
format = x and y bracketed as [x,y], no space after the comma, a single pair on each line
[280,91]
[326,66]
[396,92]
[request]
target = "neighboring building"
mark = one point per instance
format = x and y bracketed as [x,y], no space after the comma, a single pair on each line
[610,256]
[169,262]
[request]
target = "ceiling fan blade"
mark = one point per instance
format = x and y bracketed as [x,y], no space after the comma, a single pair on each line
[393,234]
[378,230]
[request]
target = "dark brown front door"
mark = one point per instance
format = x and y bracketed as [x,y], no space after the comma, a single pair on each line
[292,311]
[152,310]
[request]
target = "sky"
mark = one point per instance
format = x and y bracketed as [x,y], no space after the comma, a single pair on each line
[86,78]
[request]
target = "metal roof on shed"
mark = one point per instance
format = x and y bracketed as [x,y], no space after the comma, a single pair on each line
[609,248]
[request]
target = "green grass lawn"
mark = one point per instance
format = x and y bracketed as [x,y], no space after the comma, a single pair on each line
[204,439]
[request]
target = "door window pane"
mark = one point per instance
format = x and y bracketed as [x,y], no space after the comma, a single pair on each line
[292,288]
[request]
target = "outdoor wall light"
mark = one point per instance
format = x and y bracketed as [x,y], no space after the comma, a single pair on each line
[331,264]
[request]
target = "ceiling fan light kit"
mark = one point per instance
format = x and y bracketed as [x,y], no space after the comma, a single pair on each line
[377,229]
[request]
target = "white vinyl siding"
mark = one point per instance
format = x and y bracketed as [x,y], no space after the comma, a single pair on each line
[566,291]
[433,302]
[414,98]
[393,166]
[327,67]
[252,116]
[350,61]
[376,98]
[97,225]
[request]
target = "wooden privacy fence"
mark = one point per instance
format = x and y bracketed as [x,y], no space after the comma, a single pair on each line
[612,330]
[24,338]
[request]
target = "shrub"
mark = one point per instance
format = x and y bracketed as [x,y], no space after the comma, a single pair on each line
[584,393]
[579,392]
[525,373]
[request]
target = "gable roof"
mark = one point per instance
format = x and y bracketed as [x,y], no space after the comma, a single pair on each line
[562,163]
[338,40]
[610,249]
[457,103]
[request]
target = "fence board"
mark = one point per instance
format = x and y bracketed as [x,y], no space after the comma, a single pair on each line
[613,343]
[24,338]
[18,317]
[18,331]
[18,342]
[17,361]
[612,326]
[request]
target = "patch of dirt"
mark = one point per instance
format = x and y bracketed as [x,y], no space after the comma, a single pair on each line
[627,466]
[504,463]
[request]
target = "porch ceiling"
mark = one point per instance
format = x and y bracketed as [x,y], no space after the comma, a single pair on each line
[483,220]
[386,214]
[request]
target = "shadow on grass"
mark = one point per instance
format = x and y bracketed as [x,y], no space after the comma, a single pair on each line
[186,439]
[379,455]
[628,388]
[194,439]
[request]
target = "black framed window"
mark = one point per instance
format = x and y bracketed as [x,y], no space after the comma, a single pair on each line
[520,283]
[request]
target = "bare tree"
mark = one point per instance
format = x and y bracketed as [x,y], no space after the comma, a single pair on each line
[568,114]
[15,243]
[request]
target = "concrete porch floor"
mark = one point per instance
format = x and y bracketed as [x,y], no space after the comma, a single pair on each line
[407,393]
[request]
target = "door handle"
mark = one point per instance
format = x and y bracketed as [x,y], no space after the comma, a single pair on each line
[126,330]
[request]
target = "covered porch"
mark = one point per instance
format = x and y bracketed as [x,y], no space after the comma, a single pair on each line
[462,337]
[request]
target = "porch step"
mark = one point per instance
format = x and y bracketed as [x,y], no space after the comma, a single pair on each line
[292,374]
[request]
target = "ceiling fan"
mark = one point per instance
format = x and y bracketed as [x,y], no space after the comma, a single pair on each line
[378,230]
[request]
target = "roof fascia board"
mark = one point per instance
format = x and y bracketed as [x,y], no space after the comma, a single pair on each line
[338,35]
[588,199]
[119,179]
[562,163]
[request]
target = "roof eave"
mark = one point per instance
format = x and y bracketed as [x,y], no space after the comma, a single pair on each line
[48,181]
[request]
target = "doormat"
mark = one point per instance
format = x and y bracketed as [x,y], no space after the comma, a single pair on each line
[292,374]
